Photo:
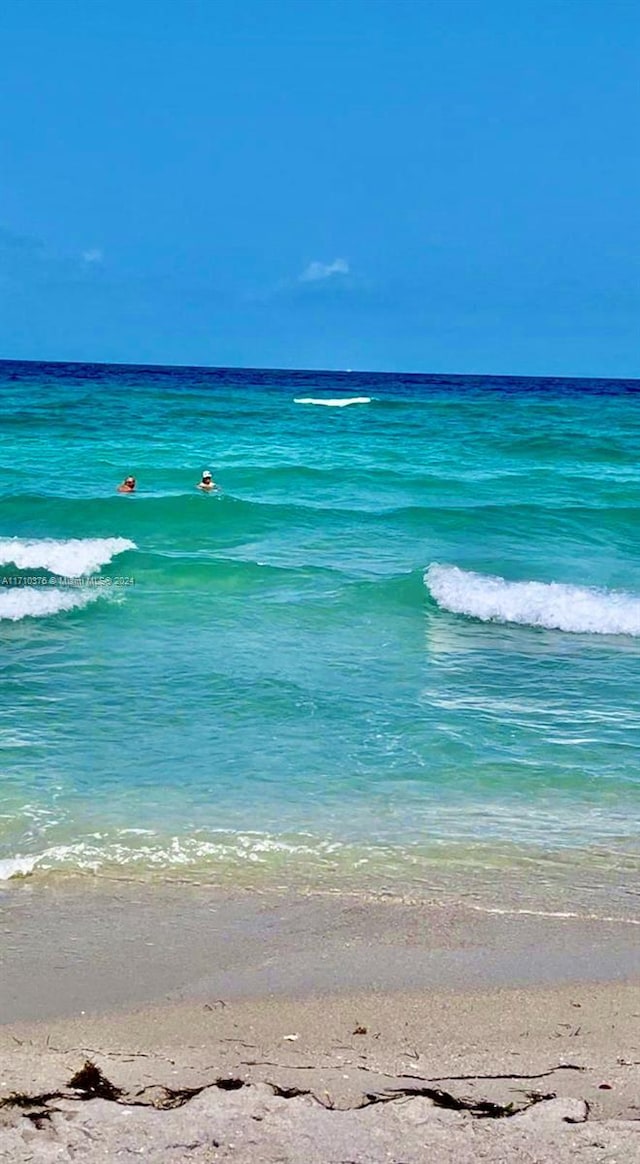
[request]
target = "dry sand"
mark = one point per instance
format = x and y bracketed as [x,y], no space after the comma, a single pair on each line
[272,1027]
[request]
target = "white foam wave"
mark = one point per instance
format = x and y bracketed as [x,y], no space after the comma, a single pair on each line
[71,558]
[173,853]
[339,402]
[41,601]
[16,867]
[576,609]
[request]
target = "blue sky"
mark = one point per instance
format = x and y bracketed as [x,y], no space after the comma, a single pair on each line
[371,184]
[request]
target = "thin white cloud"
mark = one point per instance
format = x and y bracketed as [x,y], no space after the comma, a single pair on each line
[317,271]
[93,255]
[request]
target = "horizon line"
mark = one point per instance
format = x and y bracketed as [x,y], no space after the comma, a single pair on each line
[318,371]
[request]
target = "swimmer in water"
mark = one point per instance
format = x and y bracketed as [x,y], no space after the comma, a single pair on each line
[128,485]
[207,482]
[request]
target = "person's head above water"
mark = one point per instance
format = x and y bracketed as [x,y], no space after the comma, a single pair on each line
[207,481]
[128,485]
[206,476]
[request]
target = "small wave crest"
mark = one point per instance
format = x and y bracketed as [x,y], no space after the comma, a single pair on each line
[41,601]
[16,867]
[142,850]
[71,558]
[552,605]
[335,402]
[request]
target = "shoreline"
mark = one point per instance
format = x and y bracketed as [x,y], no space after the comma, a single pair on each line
[492,877]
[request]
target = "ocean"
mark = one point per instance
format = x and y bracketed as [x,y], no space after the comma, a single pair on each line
[399,648]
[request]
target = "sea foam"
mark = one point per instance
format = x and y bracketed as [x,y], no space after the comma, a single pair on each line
[553,605]
[16,867]
[71,558]
[337,402]
[154,852]
[41,601]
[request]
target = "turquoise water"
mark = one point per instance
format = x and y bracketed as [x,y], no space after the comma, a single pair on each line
[402,638]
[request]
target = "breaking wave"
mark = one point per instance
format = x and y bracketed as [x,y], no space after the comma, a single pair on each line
[335,402]
[71,558]
[576,609]
[41,601]
[142,850]
[16,867]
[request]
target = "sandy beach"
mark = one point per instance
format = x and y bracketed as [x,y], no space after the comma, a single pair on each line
[184,1023]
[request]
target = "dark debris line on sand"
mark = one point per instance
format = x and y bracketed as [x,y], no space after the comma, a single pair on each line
[91,1083]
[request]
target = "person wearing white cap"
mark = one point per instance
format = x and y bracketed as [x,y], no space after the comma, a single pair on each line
[207,482]
[128,485]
